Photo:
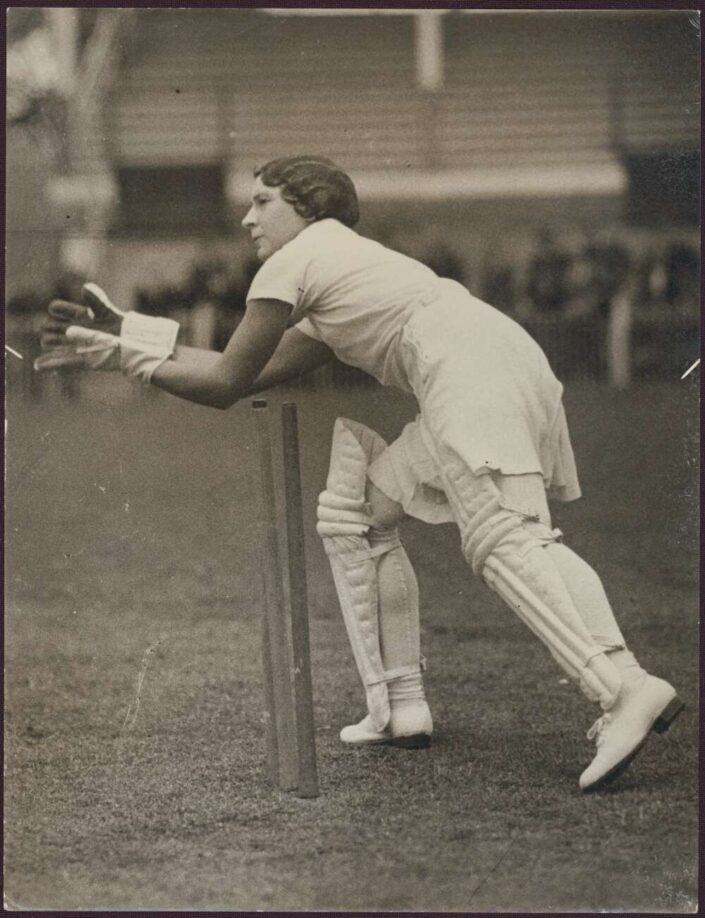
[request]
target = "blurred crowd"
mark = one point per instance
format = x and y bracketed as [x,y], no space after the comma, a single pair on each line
[578,275]
[209,303]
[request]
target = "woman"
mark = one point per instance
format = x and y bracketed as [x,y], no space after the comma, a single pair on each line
[490,443]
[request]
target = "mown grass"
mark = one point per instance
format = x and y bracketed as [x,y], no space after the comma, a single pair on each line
[129,527]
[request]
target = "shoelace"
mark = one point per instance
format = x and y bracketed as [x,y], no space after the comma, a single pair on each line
[596,732]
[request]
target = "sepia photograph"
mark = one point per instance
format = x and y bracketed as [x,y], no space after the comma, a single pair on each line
[352,379]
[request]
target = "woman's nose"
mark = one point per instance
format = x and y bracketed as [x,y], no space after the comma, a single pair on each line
[247,220]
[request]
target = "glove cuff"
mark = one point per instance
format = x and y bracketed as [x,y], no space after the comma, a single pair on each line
[149,333]
[145,343]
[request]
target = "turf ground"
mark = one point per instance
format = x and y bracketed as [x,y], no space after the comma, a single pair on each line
[130,555]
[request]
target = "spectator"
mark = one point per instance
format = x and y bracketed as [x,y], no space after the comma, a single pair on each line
[599,270]
[499,284]
[547,277]
[609,262]
[682,276]
[205,291]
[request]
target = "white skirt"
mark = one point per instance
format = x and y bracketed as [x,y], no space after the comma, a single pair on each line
[486,392]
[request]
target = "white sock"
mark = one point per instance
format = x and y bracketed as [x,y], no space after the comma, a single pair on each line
[406,688]
[626,663]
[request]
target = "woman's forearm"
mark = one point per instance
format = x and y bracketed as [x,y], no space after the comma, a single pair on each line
[296,354]
[220,380]
[206,377]
[201,377]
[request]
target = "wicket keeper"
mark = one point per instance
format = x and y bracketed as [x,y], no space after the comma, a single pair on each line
[489,446]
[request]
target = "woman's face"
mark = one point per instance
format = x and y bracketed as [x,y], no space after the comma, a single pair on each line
[271,221]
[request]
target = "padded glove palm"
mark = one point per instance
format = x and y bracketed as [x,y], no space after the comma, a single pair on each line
[96,335]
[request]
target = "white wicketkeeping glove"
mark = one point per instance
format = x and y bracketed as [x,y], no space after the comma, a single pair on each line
[142,345]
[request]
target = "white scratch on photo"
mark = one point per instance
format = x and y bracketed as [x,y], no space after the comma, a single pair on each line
[690,369]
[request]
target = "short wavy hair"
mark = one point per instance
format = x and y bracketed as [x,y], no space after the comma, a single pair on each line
[314,185]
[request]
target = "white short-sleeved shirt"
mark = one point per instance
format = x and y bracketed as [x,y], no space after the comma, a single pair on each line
[350,292]
[484,387]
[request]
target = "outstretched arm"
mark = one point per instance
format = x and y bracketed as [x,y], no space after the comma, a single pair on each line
[220,380]
[295,355]
[260,354]
[248,364]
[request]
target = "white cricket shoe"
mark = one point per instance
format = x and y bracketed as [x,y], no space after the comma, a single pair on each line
[651,704]
[410,727]
[365,734]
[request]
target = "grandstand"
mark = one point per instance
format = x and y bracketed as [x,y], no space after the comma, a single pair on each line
[471,134]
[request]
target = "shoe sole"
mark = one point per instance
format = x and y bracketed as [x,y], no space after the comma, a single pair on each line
[660,725]
[413,741]
[668,715]
[385,741]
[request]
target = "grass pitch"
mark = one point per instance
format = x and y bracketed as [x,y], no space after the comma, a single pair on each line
[134,745]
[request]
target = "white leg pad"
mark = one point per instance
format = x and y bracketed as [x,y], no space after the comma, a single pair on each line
[499,545]
[566,637]
[353,560]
